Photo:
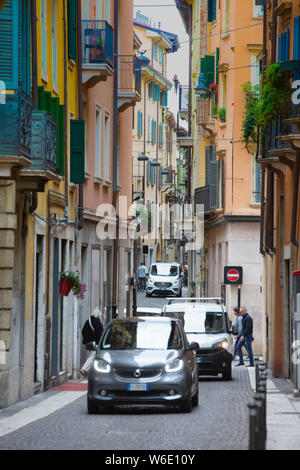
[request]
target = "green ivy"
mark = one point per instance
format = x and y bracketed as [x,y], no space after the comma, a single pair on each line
[249,124]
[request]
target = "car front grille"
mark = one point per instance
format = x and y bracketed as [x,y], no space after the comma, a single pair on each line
[163,284]
[207,352]
[129,373]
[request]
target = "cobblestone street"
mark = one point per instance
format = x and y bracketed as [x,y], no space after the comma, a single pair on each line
[220,423]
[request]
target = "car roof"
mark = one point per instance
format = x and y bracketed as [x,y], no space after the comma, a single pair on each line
[147,309]
[190,306]
[144,318]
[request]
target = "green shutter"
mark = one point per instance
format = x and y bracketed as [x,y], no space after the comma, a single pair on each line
[60,140]
[217,64]
[9,44]
[214,184]
[77,151]
[72,29]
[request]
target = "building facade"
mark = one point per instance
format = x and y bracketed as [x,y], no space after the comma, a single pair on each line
[225,174]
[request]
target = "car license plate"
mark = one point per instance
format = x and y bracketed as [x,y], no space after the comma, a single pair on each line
[137,387]
[200,359]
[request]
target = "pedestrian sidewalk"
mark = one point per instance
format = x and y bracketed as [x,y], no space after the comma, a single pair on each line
[283,413]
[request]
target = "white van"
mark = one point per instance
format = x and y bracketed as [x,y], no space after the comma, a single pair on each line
[206,322]
[164,279]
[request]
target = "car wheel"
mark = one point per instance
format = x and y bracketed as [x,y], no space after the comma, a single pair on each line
[148,295]
[186,405]
[195,399]
[228,374]
[92,408]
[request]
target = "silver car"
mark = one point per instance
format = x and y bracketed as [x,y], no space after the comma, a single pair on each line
[144,360]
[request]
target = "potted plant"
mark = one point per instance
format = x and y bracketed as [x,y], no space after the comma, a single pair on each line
[213,88]
[222,114]
[71,281]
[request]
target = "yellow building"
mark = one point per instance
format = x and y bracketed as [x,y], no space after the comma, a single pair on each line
[40,164]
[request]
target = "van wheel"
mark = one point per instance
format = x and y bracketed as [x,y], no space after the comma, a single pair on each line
[228,374]
[148,295]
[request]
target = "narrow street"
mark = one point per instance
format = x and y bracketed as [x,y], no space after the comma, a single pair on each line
[220,422]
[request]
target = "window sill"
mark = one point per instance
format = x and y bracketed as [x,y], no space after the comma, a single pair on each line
[98,180]
[223,124]
[87,175]
[106,183]
[255,205]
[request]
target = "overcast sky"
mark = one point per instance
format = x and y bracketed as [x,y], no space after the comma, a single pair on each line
[171,21]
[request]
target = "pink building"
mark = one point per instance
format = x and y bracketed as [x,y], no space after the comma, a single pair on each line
[110,89]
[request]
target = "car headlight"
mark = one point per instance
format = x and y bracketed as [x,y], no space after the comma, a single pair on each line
[150,281]
[101,366]
[223,343]
[175,365]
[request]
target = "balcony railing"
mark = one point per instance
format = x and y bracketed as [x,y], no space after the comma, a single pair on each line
[15,125]
[43,141]
[129,80]
[202,196]
[97,42]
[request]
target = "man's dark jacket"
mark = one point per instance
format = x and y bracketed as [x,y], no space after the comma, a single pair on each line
[88,335]
[247,326]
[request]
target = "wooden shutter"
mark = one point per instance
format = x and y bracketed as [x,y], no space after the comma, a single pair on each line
[9,52]
[60,140]
[296,45]
[72,29]
[208,152]
[77,158]
[214,184]
[211,10]
[257,182]
[217,64]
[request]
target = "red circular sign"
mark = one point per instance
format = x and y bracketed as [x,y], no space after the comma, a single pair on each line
[233,275]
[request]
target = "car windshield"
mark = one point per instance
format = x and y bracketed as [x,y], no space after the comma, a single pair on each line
[164,270]
[201,322]
[142,334]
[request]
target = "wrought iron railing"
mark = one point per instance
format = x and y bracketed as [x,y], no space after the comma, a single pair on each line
[97,37]
[15,125]
[130,74]
[43,141]
[184,97]
[202,196]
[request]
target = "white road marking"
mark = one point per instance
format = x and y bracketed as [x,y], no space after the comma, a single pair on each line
[38,411]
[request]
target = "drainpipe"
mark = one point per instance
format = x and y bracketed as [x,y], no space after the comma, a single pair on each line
[66,174]
[263,168]
[115,156]
[35,101]
[80,102]
[295,200]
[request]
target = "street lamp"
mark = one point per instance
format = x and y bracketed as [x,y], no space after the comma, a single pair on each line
[142,157]
[201,89]
[155,163]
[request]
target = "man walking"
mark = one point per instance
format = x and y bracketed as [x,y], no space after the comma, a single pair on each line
[246,338]
[237,328]
[141,275]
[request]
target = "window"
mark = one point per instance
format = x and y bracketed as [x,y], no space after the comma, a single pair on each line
[44,38]
[226,14]
[155,51]
[140,123]
[284,46]
[107,10]
[160,140]
[98,9]
[258,10]
[106,145]
[256,181]
[161,56]
[211,10]
[54,44]
[296,45]
[153,133]
[98,143]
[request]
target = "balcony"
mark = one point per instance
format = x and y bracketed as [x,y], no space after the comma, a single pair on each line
[98,51]
[43,153]
[15,134]
[202,196]
[203,115]
[184,100]
[130,81]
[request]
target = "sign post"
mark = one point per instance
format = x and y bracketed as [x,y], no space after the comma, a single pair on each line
[233,276]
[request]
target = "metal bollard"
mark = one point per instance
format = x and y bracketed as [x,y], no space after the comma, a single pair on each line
[263,389]
[260,441]
[256,361]
[252,425]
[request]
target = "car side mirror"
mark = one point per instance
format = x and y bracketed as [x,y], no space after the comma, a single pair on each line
[92,346]
[193,346]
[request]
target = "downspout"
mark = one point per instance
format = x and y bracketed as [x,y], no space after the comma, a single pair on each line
[66,175]
[115,155]
[35,101]
[263,168]
[80,102]
[295,200]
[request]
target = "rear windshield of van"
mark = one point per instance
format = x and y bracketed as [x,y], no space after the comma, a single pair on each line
[201,322]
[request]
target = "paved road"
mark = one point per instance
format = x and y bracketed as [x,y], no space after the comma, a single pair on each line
[219,423]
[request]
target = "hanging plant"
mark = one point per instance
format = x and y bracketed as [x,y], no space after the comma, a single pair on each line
[249,124]
[213,88]
[71,281]
[273,96]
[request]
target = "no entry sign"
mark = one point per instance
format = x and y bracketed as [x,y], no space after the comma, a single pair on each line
[233,275]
